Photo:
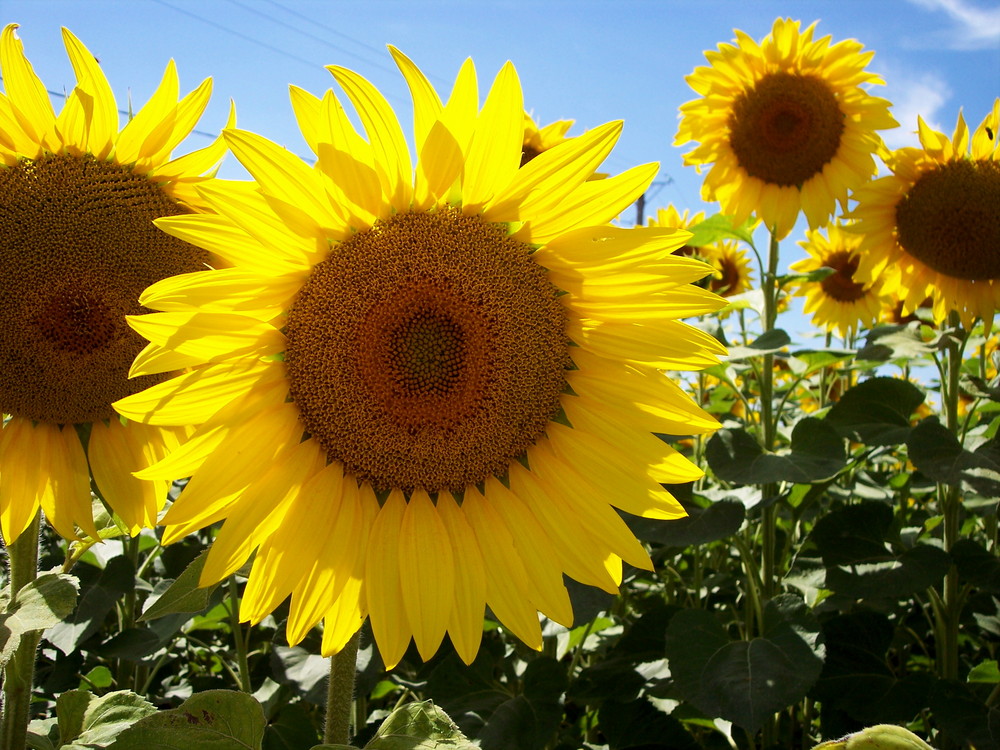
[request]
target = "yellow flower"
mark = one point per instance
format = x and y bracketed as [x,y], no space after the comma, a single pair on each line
[538,140]
[730,263]
[785,124]
[389,374]
[77,246]
[934,222]
[838,302]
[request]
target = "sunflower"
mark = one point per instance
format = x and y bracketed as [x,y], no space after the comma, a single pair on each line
[785,124]
[731,266]
[539,139]
[77,246]
[839,301]
[934,220]
[420,392]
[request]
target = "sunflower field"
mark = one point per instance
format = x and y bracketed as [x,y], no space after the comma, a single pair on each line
[448,439]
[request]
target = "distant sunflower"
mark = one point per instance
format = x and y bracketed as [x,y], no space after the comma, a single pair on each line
[77,246]
[838,302]
[540,139]
[785,124]
[934,220]
[422,394]
[731,264]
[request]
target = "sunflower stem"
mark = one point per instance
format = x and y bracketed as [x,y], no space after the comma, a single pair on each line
[239,636]
[769,422]
[19,673]
[951,501]
[340,693]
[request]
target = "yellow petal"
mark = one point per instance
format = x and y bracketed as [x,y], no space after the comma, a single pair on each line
[392,157]
[20,464]
[115,451]
[102,112]
[138,129]
[383,590]
[193,397]
[209,336]
[426,572]
[507,584]
[465,621]
[26,92]
[495,151]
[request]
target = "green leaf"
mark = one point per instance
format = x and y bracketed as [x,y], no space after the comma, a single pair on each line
[528,721]
[817,452]
[894,342]
[41,604]
[807,361]
[745,681]
[419,726]
[856,677]
[302,671]
[853,534]
[96,601]
[102,719]
[700,526]
[876,411]
[769,342]
[719,227]
[986,671]
[962,714]
[913,571]
[976,565]
[292,729]
[211,720]
[640,724]
[936,452]
[184,595]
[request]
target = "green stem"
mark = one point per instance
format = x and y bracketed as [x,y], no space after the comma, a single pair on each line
[340,693]
[239,637]
[19,674]
[769,424]
[951,502]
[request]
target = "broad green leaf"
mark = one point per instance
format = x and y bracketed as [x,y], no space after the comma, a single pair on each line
[719,227]
[41,604]
[96,601]
[419,726]
[913,571]
[986,671]
[184,595]
[528,721]
[212,720]
[853,534]
[961,713]
[817,452]
[936,452]
[102,719]
[976,565]
[807,361]
[769,342]
[700,526]
[302,671]
[640,724]
[891,342]
[745,681]
[876,411]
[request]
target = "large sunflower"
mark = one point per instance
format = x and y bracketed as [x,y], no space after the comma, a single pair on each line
[785,124]
[77,246]
[839,301]
[419,394]
[934,221]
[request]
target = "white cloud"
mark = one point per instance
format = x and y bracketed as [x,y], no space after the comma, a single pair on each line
[973,27]
[924,95]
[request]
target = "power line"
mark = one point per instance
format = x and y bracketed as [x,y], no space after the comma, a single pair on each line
[342,35]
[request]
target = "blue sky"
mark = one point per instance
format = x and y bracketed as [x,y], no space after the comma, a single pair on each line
[579,59]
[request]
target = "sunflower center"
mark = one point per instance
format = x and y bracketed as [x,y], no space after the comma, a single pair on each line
[948,219]
[429,351]
[785,129]
[840,285]
[77,247]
